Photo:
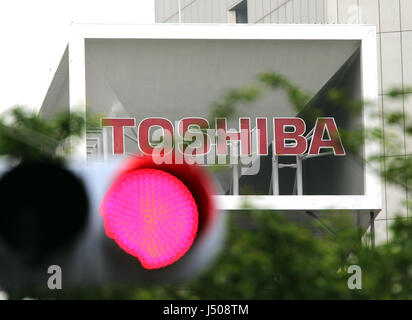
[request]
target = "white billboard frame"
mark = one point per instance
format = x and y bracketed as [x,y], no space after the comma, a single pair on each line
[370,201]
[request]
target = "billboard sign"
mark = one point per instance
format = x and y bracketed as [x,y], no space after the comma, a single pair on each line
[154,87]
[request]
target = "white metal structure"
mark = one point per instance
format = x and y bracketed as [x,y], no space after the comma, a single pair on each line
[370,201]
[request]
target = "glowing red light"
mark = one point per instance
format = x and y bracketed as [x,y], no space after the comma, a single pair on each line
[151,215]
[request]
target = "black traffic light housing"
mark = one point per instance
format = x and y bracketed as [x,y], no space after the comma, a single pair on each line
[50,216]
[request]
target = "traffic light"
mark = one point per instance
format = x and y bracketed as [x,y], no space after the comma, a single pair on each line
[125,221]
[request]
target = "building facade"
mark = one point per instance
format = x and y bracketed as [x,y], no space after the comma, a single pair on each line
[393,21]
[170,72]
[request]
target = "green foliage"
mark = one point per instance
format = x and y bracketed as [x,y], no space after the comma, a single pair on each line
[282,260]
[388,269]
[399,92]
[27,136]
[278,260]
[298,98]
[227,106]
[390,137]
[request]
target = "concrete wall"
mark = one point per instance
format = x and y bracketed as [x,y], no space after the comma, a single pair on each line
[393,21]
[259,11]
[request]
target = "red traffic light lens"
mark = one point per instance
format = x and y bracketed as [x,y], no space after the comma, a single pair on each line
[151,215]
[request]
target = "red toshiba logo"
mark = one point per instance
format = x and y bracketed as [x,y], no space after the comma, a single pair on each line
[291,136]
